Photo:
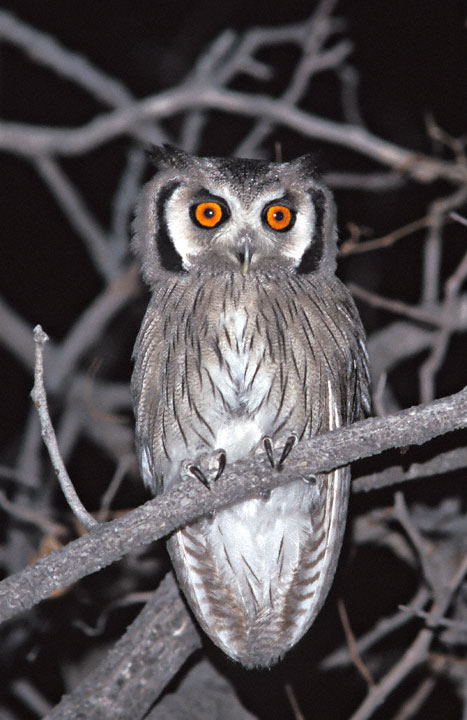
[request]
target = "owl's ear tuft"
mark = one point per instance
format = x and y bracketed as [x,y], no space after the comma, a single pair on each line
[167,157]
[307,165]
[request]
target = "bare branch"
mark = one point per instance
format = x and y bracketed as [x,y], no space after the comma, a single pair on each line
[382,628]
[429,369]
[433,621]
[352,645]
[415,655]
[30,140]
[40,401]
[68,198]
[351,247]
[443,463]
[90,325]
[136,670]
[402,514]
[44,49]
[432,317]
[24,514]
[156,518]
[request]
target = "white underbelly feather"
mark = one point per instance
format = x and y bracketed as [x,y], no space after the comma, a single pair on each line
[244,381]
[259,571]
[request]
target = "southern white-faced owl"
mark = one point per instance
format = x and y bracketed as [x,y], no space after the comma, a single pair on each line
[249,341]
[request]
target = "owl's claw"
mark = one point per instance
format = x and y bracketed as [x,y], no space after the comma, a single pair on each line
[288,447]
[199,475]
[195,471]
[267,442]
[222,459]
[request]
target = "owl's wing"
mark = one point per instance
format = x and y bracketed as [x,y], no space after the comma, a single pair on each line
[340,353]
[146,390]
[339,396]
[320,548]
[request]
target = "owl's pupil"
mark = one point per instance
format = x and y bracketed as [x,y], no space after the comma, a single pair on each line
[278,215]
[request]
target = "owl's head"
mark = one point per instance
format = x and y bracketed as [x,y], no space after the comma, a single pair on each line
[230,214]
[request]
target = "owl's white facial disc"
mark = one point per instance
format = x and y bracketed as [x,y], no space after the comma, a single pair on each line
[244,223]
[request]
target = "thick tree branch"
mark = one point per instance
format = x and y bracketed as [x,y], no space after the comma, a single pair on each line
[136,670]
[156,518]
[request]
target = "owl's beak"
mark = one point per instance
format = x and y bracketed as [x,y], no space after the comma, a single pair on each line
[244,255]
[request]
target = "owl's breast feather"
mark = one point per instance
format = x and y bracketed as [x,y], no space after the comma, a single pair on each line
[243,379]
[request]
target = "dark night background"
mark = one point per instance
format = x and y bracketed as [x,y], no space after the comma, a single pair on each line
[412,63]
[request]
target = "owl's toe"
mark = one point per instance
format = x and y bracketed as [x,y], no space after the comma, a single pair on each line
[197,473]
[221,461]
[208,468]
[267,442]
[290,443]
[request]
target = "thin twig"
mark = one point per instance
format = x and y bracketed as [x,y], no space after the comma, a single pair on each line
[416,701]
[79,216]
[109,495]
[414,656]
[352,644]
[401,513]
[458,218]
[433,621]
[25,514]
[40,400]
[293,702]
[382,628]
[441,464]
[432,317]
[349,247]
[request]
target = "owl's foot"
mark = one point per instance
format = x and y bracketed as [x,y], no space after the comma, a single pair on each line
[286,450]
[215,461]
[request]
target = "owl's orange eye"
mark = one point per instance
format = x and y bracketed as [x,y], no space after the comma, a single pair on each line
[208,214]
[279,217]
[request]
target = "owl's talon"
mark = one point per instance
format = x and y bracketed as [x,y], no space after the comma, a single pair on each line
[288,447]
[213,464]
[222,459]
[199,475]
[267,442]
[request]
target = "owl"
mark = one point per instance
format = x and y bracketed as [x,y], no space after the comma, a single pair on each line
[250,342]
